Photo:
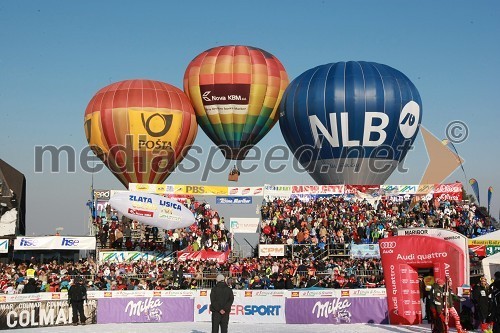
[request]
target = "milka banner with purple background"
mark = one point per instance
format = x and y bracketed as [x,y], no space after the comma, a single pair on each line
[350,310]
[145,310]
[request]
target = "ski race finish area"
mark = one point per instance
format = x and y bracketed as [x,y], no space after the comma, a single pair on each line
[308,306]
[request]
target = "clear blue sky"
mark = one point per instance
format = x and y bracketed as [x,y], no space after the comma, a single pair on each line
[55,55]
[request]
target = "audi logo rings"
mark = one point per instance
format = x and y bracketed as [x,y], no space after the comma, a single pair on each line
[387,245]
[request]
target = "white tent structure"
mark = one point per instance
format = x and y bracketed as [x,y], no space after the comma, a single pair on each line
[491,265]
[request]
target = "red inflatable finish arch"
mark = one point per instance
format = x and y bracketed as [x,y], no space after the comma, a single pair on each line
[402,256]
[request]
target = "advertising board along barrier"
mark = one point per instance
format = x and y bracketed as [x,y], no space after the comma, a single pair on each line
[244,225]
[273,250]
[256,306]
[132,256]
[145,309]
[55,243]
[42,313]
[336,306]
[336,310]
[249,306]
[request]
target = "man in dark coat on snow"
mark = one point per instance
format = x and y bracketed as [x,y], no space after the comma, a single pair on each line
[221,300]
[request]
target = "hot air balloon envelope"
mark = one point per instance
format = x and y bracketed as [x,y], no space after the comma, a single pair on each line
[140,129]
[152,209]
[350,122]
[235,91]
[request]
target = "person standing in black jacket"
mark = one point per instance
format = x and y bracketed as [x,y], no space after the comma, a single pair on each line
[31,287]
[77,294]
[495,303]
[221,300]
[480,298]
[280,282]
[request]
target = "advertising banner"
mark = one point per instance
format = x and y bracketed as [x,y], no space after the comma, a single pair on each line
[244,225]
[248,307]
[242,191]
[390,190]
[424,189]
[340,310]
[370,193]
[152,188]
[318,189]
[277,191]
[367,189]
[92,294]
[33,297]
[491,250]
[55,243]
[4,245]
[200,189]
[448,235]
[152,209]
[102,195]
[42,313]
[362,251]
[309,197]
[179,189]
[448,192]
[479,250]
[335,293]
[203,255]
[132,256]
[101,206]
[402,256]
[144,310]
[491,242]
[273,250]
[233,200]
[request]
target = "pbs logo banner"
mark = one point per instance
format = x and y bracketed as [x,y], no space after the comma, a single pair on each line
[246,308]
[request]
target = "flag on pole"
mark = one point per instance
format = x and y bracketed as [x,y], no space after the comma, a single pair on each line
[475,187]
[490,194]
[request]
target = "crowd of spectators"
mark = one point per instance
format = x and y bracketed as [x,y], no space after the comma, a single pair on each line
[245,273]
[308,226]
[338,220]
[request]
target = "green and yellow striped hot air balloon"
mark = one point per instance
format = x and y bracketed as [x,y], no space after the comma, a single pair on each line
[235,91]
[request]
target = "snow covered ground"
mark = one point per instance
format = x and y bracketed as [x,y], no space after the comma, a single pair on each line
[233,328]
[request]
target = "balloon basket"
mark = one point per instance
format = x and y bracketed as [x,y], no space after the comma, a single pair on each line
[233,177]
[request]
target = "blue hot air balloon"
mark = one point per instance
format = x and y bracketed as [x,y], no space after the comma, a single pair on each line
[350,122]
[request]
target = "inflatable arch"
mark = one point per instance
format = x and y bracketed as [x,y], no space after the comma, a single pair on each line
[402,256]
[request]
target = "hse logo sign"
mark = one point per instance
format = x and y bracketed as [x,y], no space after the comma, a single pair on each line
[69,242]
[28,242]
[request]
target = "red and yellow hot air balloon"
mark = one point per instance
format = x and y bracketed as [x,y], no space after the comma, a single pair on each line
[235,91]
[140,129]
